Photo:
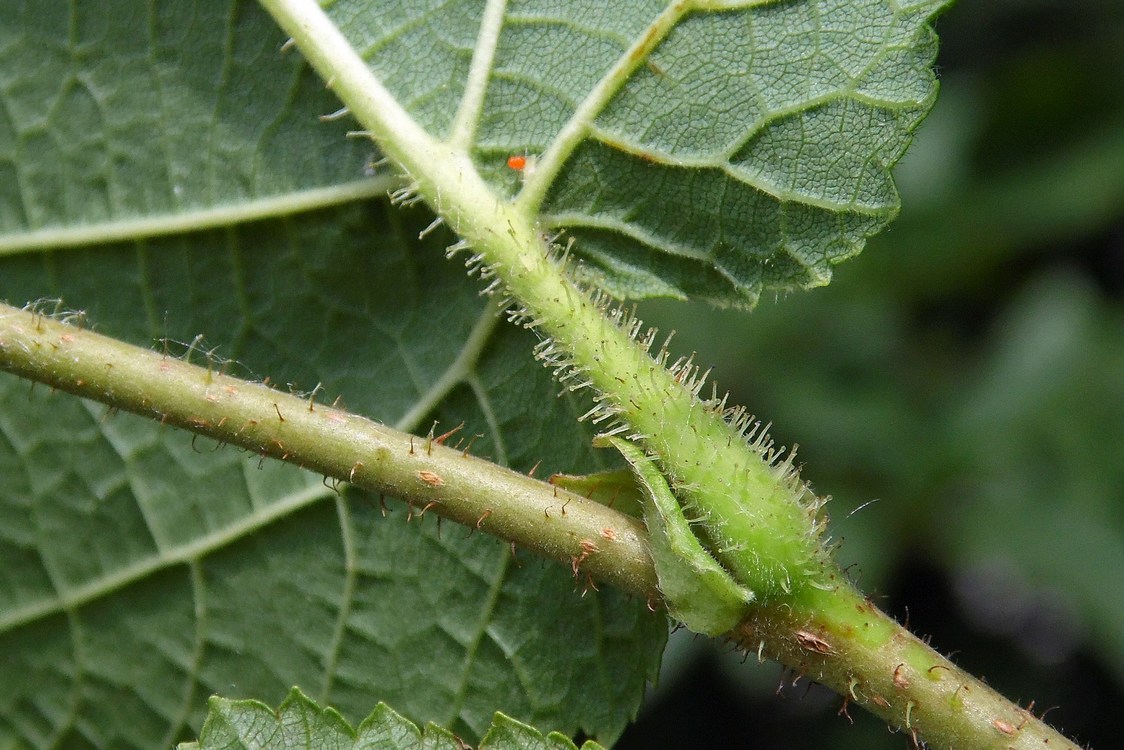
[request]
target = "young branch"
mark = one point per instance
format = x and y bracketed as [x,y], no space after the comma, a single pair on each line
[606,544]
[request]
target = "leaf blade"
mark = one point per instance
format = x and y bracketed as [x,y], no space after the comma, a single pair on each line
[755,166]
[145,571]
[255,576]
[300,724]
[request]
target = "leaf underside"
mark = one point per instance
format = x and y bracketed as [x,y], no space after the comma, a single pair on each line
[141,571]
[748,152]
[148,571]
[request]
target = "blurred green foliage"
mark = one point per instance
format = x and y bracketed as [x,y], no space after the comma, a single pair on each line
[966,373]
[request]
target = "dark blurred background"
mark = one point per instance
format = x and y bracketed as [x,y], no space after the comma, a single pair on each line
[965,373]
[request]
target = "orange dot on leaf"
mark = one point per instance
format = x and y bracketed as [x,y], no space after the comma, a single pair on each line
[517,162]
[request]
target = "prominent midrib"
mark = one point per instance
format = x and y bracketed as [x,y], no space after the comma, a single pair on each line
[66,601]
[163,224]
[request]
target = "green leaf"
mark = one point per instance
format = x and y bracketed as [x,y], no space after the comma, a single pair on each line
[125,119]
[164,164]
[143,571]
[712,149]
[699,592]
[300,724]
[508,733]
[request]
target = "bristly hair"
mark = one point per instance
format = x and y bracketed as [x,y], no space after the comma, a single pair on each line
[614,416]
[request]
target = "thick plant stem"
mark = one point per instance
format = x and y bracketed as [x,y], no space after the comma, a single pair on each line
[432,477]
[841,640]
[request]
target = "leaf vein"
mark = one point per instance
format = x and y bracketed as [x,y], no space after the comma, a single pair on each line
[71,600]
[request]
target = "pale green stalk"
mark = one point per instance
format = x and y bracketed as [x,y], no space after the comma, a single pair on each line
[432,477]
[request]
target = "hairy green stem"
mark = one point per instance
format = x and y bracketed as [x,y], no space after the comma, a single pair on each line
[432,477]
[840,639]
